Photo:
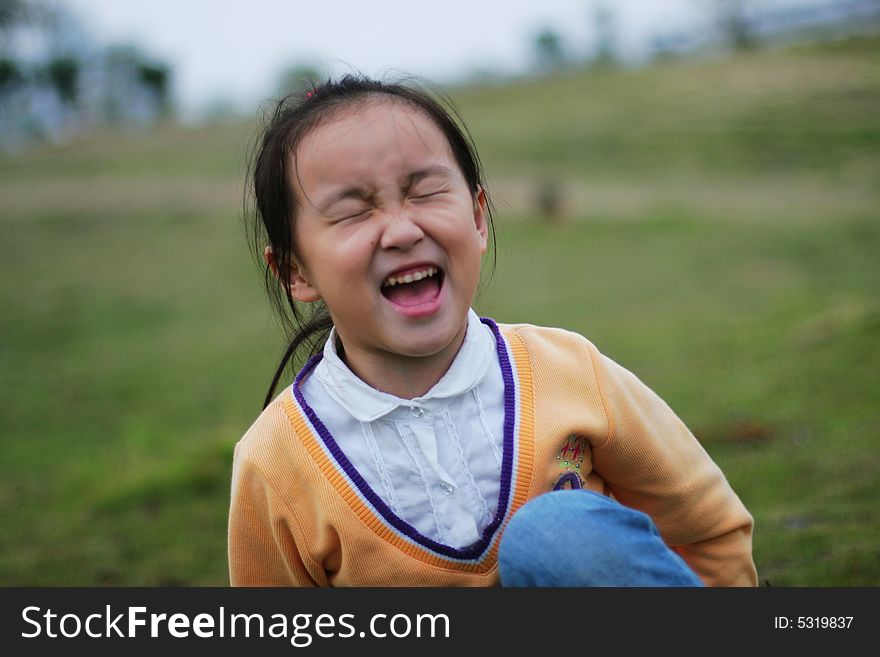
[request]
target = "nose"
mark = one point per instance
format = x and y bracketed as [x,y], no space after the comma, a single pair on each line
[400,231]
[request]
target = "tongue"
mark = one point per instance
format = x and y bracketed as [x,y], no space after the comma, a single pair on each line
[413,294]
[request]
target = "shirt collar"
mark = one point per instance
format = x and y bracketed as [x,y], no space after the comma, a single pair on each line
[367,404]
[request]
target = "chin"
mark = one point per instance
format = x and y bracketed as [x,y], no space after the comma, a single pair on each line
[427,342]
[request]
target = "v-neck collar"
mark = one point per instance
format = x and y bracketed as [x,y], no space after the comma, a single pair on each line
[336,464]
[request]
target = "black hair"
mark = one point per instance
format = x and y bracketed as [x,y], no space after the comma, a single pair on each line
[270,205]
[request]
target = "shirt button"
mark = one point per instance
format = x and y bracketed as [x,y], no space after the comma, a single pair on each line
[446,487]
[417,411]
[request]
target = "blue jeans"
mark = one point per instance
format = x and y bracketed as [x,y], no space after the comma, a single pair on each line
[582,538]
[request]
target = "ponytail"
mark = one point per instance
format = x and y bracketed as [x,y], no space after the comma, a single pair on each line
[314,333]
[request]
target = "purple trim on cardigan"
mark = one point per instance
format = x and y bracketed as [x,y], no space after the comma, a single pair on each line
[473,551]
[571,478]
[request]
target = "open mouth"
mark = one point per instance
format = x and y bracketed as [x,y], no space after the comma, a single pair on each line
[413,287]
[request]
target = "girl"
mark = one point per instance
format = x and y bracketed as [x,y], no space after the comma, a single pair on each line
[406,447]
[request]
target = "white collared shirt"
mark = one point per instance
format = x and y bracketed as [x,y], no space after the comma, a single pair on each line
[435,460]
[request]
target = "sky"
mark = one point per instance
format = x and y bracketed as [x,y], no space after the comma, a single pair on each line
[234,51]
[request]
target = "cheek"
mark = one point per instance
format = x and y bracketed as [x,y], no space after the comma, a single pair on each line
[456,223]
[468,256]
[344,262]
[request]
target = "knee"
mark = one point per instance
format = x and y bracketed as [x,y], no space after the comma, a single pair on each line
[581,538]
[554,539]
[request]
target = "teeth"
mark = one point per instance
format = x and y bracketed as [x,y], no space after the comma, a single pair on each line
[409,278]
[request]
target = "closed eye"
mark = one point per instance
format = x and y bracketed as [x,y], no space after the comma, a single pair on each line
[350,214]
[428,195]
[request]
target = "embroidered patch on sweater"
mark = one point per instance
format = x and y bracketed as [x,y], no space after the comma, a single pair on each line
[570,459]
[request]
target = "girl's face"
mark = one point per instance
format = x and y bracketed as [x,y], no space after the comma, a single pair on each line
[388,232]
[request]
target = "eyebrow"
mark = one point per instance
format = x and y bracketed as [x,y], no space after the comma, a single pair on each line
[421,174]
[359,193]
[362,193]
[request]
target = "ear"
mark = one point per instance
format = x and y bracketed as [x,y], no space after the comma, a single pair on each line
[295,280]
[481,219]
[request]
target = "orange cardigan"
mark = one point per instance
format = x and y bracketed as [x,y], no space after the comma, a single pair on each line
[301,515]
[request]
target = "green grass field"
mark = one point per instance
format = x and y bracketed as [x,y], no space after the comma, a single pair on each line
[719,228]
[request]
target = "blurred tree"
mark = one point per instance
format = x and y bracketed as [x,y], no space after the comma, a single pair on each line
[157,78]
[550,54]
[11,77]
[63,74]
[12,13]
[606,42]
[54,80]
[134,88]
[734,24]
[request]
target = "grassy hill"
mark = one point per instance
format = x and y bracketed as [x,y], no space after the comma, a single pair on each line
[719,237]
